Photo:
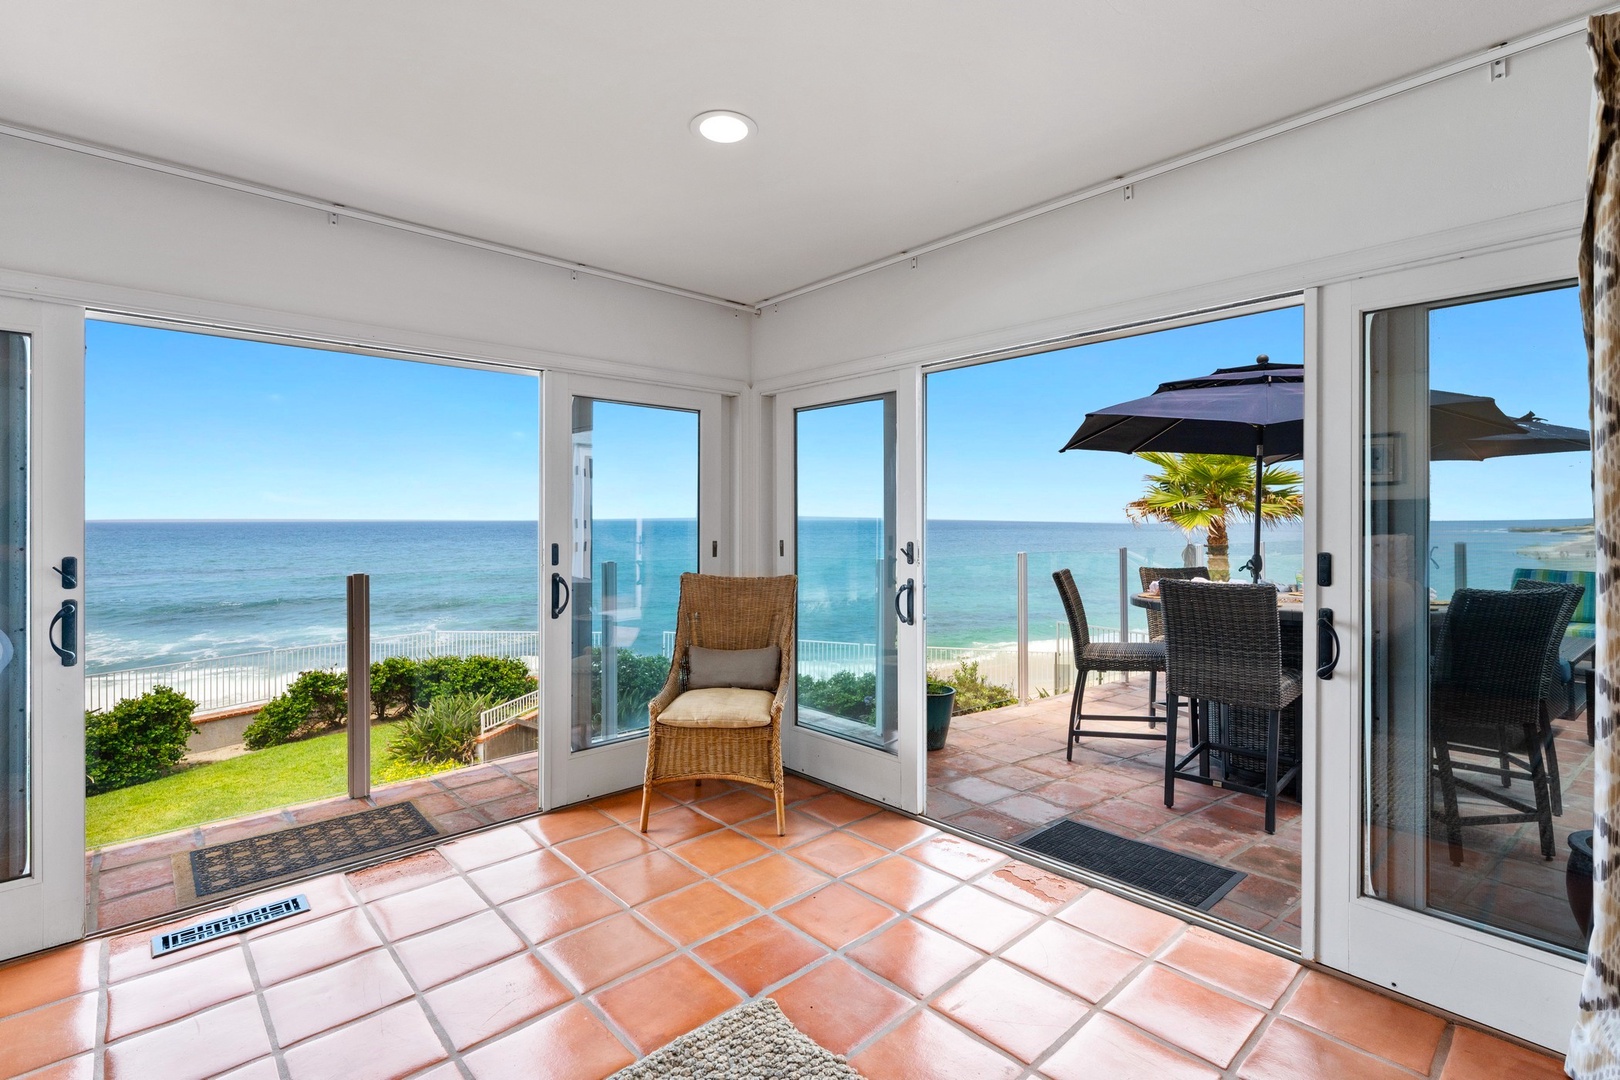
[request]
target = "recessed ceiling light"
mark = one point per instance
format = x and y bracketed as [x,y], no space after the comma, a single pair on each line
[723,126]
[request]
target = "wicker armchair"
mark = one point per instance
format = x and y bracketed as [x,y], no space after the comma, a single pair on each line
[724,734]
[1488,700]
[1223,646]
[1155,616]
[1092,656]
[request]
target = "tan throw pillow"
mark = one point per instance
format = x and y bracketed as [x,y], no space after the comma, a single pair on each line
[744,669]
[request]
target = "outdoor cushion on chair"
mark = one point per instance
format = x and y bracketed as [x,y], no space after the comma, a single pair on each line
[720,707]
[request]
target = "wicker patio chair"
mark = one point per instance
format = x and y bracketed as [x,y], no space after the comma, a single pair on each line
[1488,699]
[721,733]
[1223,646]
[1155,616]
[1100,656]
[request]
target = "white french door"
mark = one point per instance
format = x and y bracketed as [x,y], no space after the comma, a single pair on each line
[41,676]
[633,485]
[1479,929]
[849,524]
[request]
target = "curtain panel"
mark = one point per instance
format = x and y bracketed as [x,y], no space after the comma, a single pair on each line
[1594,1049]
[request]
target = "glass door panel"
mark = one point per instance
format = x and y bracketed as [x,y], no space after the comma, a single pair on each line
[1478,526]
[848,514]
[633,498]
[15,744]
[849,600]
[42,763]
[1452,733]
[635,521]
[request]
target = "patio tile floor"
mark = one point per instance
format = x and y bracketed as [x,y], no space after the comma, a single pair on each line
[1001,971]
[134,881]
[1003,768]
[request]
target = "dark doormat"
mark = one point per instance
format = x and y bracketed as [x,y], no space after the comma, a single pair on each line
[1181,878]
[297,851]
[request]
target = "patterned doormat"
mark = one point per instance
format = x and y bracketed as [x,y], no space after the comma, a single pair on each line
[297,851]
[1177,877]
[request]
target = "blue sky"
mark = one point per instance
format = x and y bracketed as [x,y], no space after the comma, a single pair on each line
[994,430]
[182,425]
[1529,353]
[840,454]
[190,426]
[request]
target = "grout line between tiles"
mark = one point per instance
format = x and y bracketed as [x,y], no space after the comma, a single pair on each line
[264,1010]
[103,976]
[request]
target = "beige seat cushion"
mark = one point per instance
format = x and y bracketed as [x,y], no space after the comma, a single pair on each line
[719,706]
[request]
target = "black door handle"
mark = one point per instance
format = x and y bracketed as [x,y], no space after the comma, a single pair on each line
[559,595]
[909,592]
[68,616]
[1327,644]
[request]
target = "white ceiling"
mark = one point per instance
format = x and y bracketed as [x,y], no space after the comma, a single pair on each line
[562,127]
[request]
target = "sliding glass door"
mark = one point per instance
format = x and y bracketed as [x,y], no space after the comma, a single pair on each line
[847,525]
[632,504]
[42,870]
[1457,777]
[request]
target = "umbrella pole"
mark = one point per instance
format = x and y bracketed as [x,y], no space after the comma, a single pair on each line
[1259,476]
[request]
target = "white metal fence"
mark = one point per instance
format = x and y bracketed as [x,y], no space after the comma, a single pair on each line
[507,711]
[225,682]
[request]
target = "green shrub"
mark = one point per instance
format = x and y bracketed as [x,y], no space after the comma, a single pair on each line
[393,686]
[443,730]
[973,692]
[315,701]
[137,740]
[846,694]
[640,679]
[496,677]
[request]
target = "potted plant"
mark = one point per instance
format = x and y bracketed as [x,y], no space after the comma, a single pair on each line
[941,699]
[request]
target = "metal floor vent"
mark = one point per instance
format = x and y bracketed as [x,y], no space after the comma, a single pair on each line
[187,936]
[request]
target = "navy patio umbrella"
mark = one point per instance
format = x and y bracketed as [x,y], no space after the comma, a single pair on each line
[1535,436]
[1258,410]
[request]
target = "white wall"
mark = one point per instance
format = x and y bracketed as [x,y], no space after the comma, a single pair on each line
[85,229]
[1459,162]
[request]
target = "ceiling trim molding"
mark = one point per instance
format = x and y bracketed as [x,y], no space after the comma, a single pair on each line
[338,211]
[1315,116]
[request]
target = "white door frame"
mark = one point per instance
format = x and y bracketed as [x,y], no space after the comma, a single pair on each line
[47,907]
[898,779]
[569,776]
[1490,979]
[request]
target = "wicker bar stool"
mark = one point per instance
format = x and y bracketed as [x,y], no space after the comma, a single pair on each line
[1488,699]
[1155,617]
[722,733]
[1223,645]
[1092,656]
[1572,593]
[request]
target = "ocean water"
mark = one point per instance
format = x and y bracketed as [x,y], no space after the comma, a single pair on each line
[161,592]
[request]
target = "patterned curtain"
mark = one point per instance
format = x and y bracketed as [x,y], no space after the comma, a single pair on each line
[1594,1048]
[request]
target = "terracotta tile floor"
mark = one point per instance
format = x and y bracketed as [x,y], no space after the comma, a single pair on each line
[919,954]
[134,881]
[1003,774]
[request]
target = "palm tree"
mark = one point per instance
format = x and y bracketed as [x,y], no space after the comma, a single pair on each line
[1199,491]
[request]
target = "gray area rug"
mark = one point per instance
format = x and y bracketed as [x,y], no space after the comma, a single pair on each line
[751,1042]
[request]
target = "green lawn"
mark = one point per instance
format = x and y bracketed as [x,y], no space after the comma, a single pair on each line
[261,780]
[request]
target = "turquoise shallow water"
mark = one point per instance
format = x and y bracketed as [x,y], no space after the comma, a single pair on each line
[158,592]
